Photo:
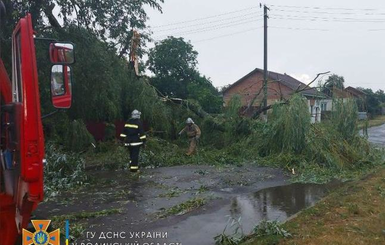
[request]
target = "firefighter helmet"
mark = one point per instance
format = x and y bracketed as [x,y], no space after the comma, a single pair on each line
[189,121]
[135,114]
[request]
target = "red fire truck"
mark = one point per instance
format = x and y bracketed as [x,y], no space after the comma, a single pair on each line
[22,139]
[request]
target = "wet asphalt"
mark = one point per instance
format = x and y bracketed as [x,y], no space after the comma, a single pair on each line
[233,198]
[377,135]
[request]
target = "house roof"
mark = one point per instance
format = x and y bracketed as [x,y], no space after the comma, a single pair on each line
[355,91]
[286,80]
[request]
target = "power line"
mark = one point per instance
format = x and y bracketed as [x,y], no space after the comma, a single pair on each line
[208,17]
[240,18]
[324,12]
[330,19]
[227,35]
[298,28]
[319,29]
[212,28]
[329,8]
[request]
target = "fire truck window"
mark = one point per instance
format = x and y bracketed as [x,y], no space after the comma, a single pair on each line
[57,76]
[17,66]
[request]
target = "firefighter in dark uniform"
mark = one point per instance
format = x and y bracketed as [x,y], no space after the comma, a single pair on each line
[134,138]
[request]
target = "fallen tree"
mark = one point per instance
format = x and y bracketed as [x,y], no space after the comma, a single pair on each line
[284,101]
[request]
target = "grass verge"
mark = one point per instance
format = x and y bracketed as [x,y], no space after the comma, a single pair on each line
[353,214]
[377,121]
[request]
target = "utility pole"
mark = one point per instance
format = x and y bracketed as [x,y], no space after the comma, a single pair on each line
[265,17]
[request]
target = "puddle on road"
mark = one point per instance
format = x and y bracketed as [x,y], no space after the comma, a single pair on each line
[200,227]
[276,203]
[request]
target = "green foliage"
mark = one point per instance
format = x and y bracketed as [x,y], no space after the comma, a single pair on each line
[110,131]
[333,81]
[289,127]
[183,208]
[112,21]
[345,118]
[267,232]
[233,107]
[235,238]
[375,101]
[173,61]
[110,155]
[318,152]
[78,138]
[232,119]
[64,170]
[140,95]
[173,58]
[56,127]
[204,92]
[268,228]
[109,94]
[96,95]
[223,239]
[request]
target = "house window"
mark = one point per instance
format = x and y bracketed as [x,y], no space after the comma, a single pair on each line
[323,106]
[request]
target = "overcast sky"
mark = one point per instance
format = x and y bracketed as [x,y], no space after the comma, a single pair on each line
[306,37]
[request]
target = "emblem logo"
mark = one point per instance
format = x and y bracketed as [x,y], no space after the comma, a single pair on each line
[41,236]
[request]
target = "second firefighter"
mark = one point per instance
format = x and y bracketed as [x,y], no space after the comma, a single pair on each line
[134,138]
[193,133]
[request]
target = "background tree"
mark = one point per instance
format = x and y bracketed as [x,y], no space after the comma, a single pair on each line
[202,90]
[112,21]
[173,61]
[333,81]
[374,101]
[174,64]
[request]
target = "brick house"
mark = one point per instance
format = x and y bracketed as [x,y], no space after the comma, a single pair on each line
[280,87]
[344,94]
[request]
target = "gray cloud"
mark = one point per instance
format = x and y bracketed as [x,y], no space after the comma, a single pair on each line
[345,37]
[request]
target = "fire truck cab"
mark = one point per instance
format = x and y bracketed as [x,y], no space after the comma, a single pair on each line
[22,139]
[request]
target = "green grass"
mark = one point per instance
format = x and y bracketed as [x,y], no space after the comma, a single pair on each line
[175,192]
[353,214]
[377,121]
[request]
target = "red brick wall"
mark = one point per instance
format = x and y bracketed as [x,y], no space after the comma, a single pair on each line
[252,85]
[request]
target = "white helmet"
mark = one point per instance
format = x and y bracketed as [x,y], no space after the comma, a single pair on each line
[135,114]
[189,121]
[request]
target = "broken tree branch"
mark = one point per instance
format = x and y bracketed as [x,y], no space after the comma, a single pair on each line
[307,87]
[285,102]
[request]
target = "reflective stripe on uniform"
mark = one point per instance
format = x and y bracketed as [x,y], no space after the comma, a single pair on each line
[131,126]
[123,135]
[134,167]
[142,137]
[133,144]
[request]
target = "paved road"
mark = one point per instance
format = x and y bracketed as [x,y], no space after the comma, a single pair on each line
[377,135]
[250,192]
